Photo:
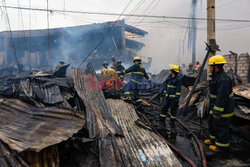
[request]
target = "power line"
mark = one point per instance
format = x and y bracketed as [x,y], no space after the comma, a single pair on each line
[12,40]
[226,4]
[139,4]
[149,11]
[124,14]
[105,36]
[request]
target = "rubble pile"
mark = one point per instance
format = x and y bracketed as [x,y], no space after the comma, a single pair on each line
[242,99]
[48,120]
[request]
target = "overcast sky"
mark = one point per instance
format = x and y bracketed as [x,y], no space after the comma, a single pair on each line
[162,42]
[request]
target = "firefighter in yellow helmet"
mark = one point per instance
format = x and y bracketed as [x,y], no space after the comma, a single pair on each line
[104,69]
[172,92]
[119,69]
[137,80]
[221,105]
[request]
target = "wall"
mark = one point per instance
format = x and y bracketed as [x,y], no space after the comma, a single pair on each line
[243,65]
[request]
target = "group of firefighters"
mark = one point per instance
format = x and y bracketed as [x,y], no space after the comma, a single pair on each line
[221,104]
[193,68]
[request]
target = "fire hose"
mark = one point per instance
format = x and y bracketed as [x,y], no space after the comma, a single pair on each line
[169,144]
[204,161]
[209,50]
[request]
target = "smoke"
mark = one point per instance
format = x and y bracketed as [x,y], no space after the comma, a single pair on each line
[192,30]
[162,42]
[70,45]
[78,42]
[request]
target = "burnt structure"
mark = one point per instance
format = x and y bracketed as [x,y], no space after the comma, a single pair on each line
[42,49]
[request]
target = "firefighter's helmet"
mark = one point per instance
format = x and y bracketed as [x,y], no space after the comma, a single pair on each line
[217,59]
[175,68]
[137,59]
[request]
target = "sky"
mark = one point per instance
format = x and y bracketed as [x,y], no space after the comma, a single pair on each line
[162,42]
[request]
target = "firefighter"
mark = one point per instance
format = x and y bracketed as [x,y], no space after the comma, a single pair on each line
[119,69]
[197,68]
[137,82]
[221,105]
[104,68]
[114,62]
[191,69]
[172,92]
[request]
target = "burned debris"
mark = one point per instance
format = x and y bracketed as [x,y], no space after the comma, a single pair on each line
[57,120]
[64,121]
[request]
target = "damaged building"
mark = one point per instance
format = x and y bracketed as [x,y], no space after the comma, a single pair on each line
[71,121]
[42,49]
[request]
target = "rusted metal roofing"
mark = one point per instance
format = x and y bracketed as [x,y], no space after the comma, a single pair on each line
[242,90]
[25,127]
[136,138]
[9,158]
[97,111]
[242,112]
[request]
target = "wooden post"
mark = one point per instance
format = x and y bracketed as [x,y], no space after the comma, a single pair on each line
[211,27]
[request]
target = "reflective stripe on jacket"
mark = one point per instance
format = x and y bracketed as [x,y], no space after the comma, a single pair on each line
[138,72]
[120,70]
[173,87]
[221,95]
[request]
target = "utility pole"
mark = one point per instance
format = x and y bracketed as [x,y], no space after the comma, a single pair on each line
[211,27]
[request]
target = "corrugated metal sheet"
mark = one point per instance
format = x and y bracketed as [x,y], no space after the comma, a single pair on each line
[25,127]
[48,94]
[94,101]
[242,90]
[136,138]
[47,89]
[9,158]
[100,122]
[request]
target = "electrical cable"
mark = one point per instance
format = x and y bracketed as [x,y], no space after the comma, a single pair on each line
[226,4]
[105,36]
[139,4]
[149,11]
[12,40]
[124,14]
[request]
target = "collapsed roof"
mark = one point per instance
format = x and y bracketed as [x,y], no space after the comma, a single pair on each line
[71,44]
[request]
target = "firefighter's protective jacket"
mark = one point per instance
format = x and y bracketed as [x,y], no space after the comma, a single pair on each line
[221,95]
[138,72]
[104,71]
[173,87]
[120,70]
